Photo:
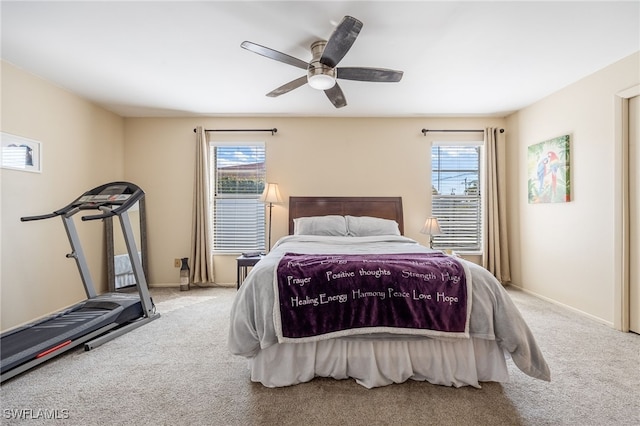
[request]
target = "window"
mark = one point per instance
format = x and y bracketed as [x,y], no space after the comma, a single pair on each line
[457,195]
[237,180]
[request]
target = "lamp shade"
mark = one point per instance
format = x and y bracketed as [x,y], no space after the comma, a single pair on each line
[271,194]
[431,227]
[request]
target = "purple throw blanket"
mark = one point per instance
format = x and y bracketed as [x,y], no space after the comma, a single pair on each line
[326,296]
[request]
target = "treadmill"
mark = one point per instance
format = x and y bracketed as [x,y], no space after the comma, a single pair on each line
[98,319]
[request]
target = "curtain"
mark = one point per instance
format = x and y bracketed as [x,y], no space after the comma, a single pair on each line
[201,258]
[496,246]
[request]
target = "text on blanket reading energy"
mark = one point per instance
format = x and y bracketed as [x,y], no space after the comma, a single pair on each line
[322,299]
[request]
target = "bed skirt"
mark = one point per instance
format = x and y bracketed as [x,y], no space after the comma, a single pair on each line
[464,362]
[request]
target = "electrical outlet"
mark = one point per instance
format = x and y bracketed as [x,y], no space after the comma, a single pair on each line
[177,263]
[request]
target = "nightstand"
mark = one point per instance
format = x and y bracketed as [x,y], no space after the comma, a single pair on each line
[244,263]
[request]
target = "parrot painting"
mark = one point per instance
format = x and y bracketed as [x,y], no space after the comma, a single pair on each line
[554,165]
[542,173]
[549,180]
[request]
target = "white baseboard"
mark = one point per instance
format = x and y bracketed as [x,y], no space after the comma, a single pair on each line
[164,285]
[571,308]
[177,285]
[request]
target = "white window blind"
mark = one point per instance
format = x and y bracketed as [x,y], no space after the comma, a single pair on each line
[457,195]
[238,179]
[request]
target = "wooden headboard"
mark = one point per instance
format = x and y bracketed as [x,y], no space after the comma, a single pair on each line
[382,207]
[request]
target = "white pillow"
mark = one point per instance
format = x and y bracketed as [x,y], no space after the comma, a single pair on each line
[364,226]
[333,225]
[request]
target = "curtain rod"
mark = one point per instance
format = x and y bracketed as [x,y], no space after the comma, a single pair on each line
[424,131]
[273,131]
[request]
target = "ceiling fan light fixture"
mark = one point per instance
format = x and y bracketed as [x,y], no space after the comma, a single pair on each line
[321,81]
[320,76]
[322,70]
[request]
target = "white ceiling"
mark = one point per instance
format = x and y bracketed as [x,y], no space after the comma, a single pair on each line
[183,58]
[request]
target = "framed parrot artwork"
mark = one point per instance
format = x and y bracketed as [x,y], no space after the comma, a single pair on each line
[548,164]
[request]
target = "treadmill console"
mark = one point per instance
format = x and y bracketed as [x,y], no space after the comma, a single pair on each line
[111,198]
[110,195]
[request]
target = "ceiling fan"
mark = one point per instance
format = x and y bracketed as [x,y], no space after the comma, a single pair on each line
[322,71]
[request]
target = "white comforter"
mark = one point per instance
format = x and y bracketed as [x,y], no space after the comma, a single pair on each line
[493,315]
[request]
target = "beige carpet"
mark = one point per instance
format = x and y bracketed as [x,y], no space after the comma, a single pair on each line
[177,371]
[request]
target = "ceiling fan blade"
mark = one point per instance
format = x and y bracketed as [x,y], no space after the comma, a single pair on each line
[379,75]
[274,54]
[336,96]
[285,88]
[340,41]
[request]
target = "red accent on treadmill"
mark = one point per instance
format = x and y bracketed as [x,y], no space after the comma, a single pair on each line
[53,349]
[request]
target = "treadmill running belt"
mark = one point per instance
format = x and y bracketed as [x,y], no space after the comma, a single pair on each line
[27,343]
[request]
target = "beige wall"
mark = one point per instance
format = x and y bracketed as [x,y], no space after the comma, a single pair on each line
[565,252]
[307,156]
[557,253]
[82,147]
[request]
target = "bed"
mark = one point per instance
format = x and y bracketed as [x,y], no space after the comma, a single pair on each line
[465,343]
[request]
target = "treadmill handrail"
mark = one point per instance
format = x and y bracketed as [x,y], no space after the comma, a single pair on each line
[38,217]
